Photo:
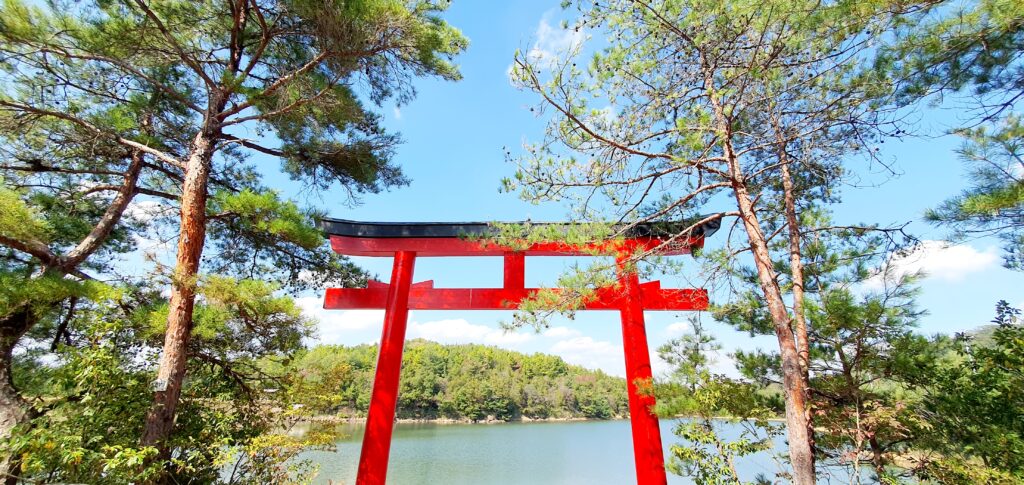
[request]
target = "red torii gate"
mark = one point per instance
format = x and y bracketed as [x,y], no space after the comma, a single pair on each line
[407,241]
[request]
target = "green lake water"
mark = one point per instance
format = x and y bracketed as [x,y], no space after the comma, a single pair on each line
[578,452]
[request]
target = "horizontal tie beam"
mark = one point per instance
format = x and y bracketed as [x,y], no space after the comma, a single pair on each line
[423,296]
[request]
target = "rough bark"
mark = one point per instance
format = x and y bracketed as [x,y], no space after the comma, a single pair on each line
[796,268]
[801,455]
[171,373]
[98,235]
[796,264]
[13,408]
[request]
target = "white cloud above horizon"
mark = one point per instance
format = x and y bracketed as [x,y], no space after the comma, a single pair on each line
[592,354]
[333,326]
[677,329]
[937,260]
[352,326]
[551,42]
[460,331]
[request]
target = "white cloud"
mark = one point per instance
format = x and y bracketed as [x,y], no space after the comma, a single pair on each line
[562,332]
[590,353]
[659,367]
[677,329]
[460,331]
[607,115]
[398,113]
[936,259]
[334,325]
[146,210]
[719,362]
[159,249]
[551,42]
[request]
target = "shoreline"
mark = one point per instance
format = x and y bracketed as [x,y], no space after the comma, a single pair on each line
[491,420]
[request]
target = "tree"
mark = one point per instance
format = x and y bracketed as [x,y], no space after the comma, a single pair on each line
[62,202]
[703,398]
[92,396]
[971,52]
[861,317]
[972,404]
[697,103]
[287,68]
[994,203]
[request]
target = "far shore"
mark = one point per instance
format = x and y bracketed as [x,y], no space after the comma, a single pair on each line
[329,419]
[489,420]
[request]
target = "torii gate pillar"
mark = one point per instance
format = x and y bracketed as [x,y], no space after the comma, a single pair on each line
[407,241]
[380,419]
[647,453]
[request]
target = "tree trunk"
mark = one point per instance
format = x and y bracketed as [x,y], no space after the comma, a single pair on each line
[801,455]
[877,457]
[13,408]
[796,265]
[171,373]
[796,268]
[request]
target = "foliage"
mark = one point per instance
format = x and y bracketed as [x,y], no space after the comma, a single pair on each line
[93,399]
[709,400]
[860,318]
[471,382]
[974,405]
[110,109]
[945,49]
[943,46]
[747,112]
[994,202]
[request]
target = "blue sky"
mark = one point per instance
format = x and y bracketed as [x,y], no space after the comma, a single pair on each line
[455,136]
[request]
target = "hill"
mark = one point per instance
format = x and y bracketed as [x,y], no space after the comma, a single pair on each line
[463,382]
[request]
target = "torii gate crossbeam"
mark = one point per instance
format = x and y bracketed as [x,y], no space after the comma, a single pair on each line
[407,241]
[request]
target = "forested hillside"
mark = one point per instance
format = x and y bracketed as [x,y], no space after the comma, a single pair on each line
[473,382]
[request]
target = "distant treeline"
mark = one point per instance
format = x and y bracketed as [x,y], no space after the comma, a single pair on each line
[473,382]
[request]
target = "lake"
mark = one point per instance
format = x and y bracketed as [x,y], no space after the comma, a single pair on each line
[575,452]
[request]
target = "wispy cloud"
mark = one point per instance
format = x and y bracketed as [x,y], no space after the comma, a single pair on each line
[594,354]
[460,331]
[676,329]
[146,210]
[551,42]
[936,259]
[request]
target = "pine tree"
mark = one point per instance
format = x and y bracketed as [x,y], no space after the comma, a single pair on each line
[292,70]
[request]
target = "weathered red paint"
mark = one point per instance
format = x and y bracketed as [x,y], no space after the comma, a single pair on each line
[647,454]
[628,296]
[448,246]
[515,270]
[380,420]
[652,297]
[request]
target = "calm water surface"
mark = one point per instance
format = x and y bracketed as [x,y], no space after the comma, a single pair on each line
[580,452]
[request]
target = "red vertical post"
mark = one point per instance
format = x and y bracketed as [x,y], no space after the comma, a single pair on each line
[515,270]
[647,454]
[380,420]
